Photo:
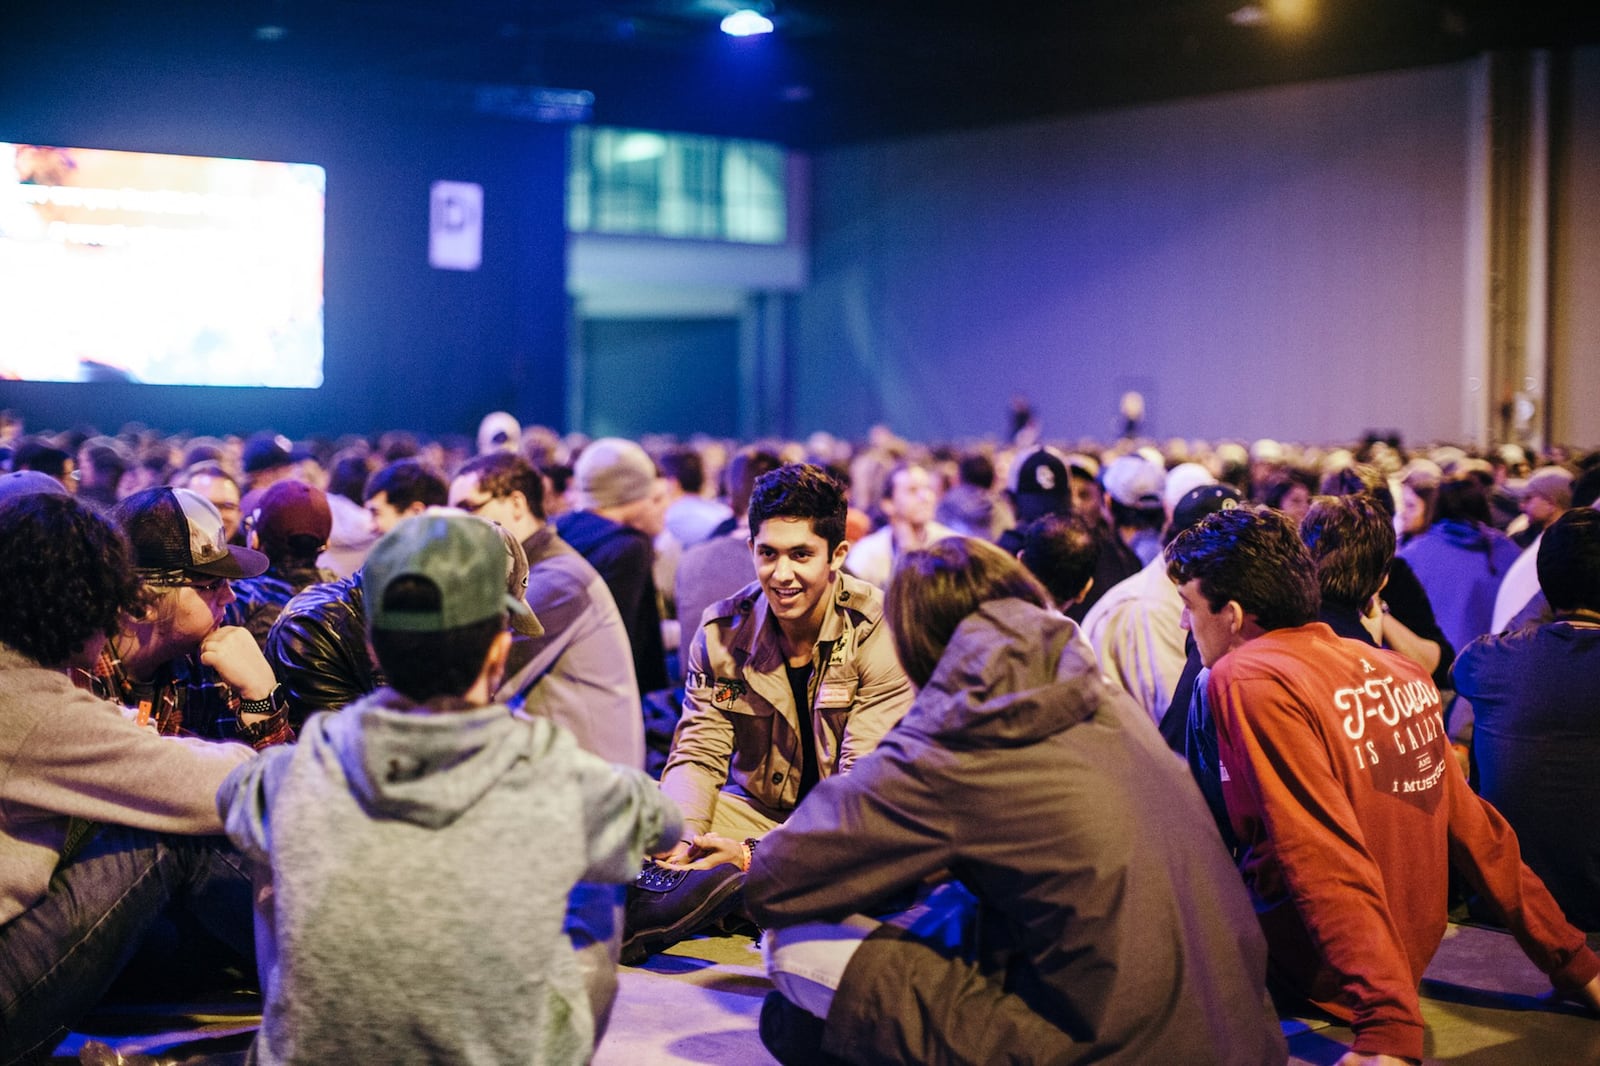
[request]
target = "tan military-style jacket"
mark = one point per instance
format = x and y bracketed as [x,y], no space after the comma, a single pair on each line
[740,727]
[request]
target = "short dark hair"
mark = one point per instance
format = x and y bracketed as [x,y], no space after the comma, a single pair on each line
[37,455]
[1352,540]
[1461,498]
[932,590]
[1280,484]
[408,481]
[1252,556]
[977,470]
[747,465]
[683,465]
[502,473]
[1152,518]
[421,666]
[1569,561]
[348,475]
[67,572]
[1356,479]
[801,490]
[1061,551]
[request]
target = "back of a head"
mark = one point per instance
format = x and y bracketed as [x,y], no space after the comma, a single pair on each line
[1061,551]
[613,472]
[1352,540]
[1461,498]
[348,476]
[932,590]
[801,491]
[67,572]
[105,457]
[744,468]
[37,455]
[293,521]
[1356,479]
[1136,488]
[502,473]
[683,465]
[1038,484]
[499,431]
[1569,561]
[436,602]
[1586,487]
[408,481]
[976,469]
[1252,556]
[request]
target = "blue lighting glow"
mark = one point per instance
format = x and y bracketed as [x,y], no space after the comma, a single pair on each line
[746,23]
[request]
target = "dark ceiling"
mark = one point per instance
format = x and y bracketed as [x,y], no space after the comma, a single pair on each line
[833,72]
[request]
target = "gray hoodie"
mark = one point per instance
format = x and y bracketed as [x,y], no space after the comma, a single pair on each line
[419,862]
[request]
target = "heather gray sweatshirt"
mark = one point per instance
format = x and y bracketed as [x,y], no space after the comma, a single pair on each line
[420,862]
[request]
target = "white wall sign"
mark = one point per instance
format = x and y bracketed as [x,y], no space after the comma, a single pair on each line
[455,225]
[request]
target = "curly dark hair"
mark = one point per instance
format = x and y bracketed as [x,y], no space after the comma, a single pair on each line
[801,490]
[66,574]
[1061,551]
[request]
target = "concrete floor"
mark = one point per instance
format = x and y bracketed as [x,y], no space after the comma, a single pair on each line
[699,1003]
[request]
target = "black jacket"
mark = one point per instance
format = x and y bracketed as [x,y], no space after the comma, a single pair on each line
[625,558]
[318,648]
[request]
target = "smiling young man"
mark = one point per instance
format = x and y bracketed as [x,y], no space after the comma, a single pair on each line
[1341,789]
[790,681]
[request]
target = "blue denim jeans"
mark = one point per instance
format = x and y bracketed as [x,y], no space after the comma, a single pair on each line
[58,958]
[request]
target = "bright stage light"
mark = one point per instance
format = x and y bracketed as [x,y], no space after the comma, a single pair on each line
[746,23]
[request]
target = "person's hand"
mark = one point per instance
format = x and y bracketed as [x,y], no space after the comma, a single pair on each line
[709,849]
[236,657]
[1355,1058]
[678,853]
[1372,616]
[1589,995]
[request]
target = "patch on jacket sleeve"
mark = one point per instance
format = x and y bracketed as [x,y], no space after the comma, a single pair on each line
[726,693]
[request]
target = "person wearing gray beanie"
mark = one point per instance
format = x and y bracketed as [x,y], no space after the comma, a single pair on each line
[622,507]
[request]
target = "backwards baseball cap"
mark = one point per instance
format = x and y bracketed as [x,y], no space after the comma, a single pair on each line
[267,452]
[177,535]
[464,558]
[499,431]
[1038,483]
[1134,481]
[611,472]
[1202,501]
[290,510]
[1180,480]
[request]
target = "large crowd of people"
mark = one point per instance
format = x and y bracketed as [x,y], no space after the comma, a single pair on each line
[1007,751]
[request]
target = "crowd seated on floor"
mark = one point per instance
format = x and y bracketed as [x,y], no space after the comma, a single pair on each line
[1003,747]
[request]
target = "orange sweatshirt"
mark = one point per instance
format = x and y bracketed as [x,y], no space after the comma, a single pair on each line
[1350,810]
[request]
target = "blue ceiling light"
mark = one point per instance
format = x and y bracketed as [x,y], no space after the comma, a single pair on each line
[746,23]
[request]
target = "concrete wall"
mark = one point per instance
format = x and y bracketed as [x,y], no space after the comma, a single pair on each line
[1575,279]
[1289,263]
